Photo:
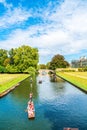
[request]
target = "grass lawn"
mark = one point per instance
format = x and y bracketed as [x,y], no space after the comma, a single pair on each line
[9,80]
[77,78]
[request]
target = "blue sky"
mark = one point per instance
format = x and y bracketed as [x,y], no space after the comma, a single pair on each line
[52,26]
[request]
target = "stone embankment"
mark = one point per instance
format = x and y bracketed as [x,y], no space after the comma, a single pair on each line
[8,90]
[85,91]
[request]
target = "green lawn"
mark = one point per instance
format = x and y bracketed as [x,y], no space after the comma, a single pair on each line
[9,80]
[77,78]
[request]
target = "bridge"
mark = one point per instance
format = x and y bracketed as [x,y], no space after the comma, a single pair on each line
[45,71]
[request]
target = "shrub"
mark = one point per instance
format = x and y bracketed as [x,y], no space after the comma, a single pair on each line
[31,71]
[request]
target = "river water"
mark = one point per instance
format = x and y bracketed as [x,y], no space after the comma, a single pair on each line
[57,105]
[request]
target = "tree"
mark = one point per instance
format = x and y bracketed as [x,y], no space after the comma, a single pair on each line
[11,69]
[6,62]
[11,56]
[3,56]
[24,57]
[19,59]
[2,69]
[58,61]
[48,65]
[42,66]
[31,70]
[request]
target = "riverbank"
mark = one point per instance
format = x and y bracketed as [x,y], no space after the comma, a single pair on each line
[78,79]
[8,82]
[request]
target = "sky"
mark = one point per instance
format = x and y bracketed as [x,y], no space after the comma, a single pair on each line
[52,26]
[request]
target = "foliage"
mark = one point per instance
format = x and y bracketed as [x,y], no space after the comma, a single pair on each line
[3,56]
[42,66]
[31,70]
[11,56]
[24,57]
[19,59]
[2,69]
[6,62]
[48,65]
[82,69]
[11,69]
[85,68]
[67,69]
[58,61]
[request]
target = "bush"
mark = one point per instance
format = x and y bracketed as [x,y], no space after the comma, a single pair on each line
[82,69]
[11,69]
[85,69]
[31,71]
[2,69]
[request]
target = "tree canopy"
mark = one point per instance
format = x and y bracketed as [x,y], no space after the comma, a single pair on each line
[58,61]
[42,66]
[19,59]
[3,56]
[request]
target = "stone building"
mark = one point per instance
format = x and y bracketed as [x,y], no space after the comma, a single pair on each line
[80,63]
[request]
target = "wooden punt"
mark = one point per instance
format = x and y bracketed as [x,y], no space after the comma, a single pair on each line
[70,129]
[31,110]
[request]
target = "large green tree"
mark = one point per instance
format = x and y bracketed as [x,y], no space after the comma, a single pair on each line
[24,57]
[19,59]
[58,61]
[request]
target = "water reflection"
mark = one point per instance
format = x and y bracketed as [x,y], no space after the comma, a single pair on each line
[23,90]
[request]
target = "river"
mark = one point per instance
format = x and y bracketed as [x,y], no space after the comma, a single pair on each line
[57,105]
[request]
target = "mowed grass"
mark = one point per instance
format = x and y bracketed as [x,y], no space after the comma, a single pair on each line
[9,80]
[77,78]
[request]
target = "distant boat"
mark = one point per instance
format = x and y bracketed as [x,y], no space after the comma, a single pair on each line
[40,81]
[31,110]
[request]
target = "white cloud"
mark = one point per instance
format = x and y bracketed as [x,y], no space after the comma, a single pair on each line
[2,1]
[13,17]
[44,52]
[6,4]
